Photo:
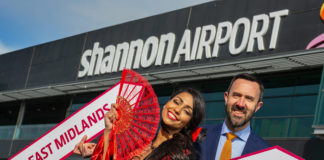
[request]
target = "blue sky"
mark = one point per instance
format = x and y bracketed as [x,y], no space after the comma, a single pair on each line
[25,23]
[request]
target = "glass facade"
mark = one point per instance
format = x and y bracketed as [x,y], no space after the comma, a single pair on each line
[81,100]
[8,119]
[46,111]
[289,103]
[39,116]
[319,117]
[33,131]
[288,110]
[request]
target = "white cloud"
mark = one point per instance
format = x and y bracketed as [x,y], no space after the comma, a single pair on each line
[4,49]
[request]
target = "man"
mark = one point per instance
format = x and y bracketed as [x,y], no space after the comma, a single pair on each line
[243,98]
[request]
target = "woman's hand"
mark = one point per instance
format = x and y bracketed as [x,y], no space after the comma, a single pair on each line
[110,117]
[87,149]
[84,149]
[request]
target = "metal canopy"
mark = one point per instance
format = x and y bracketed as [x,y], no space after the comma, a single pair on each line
[254,65]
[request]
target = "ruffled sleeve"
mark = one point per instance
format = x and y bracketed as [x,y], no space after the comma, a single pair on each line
[97,153]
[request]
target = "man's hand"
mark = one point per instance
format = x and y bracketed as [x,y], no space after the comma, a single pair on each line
[84,149]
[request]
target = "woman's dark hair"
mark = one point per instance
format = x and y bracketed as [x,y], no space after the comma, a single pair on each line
[181,145]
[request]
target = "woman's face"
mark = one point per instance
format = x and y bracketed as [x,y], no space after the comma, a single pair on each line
[178,111]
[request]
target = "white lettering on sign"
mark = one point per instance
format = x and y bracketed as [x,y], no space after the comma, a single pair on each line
[205,43]
[59,142]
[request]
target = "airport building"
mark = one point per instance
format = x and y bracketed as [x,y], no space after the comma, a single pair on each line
[201,46]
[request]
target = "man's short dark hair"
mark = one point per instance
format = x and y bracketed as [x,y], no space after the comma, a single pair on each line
[249,78]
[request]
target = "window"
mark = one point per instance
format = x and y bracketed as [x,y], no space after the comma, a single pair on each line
[81,100]
[41,115]
[271,127]
[8,119]
[46,111]
[9,113]
[289,104]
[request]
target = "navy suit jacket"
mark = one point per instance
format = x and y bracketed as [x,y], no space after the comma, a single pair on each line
[208,147]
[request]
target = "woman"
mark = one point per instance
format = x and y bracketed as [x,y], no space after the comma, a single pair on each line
[181,116]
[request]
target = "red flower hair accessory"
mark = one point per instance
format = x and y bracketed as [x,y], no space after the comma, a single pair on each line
[195,134]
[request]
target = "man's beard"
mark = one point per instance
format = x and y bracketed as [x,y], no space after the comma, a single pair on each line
[240,123]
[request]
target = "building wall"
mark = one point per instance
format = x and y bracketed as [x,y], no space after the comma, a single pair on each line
[286,26]
[290,97]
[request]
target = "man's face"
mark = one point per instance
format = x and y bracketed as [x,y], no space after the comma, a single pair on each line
[241,102]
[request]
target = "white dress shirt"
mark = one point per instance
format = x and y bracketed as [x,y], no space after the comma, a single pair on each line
[238,143]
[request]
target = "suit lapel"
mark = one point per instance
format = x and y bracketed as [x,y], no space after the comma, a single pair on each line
[212,143]
[250,144]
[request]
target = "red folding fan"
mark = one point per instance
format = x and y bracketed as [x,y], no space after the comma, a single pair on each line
[138,117]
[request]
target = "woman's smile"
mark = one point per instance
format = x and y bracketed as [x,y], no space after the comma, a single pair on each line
[172,116]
